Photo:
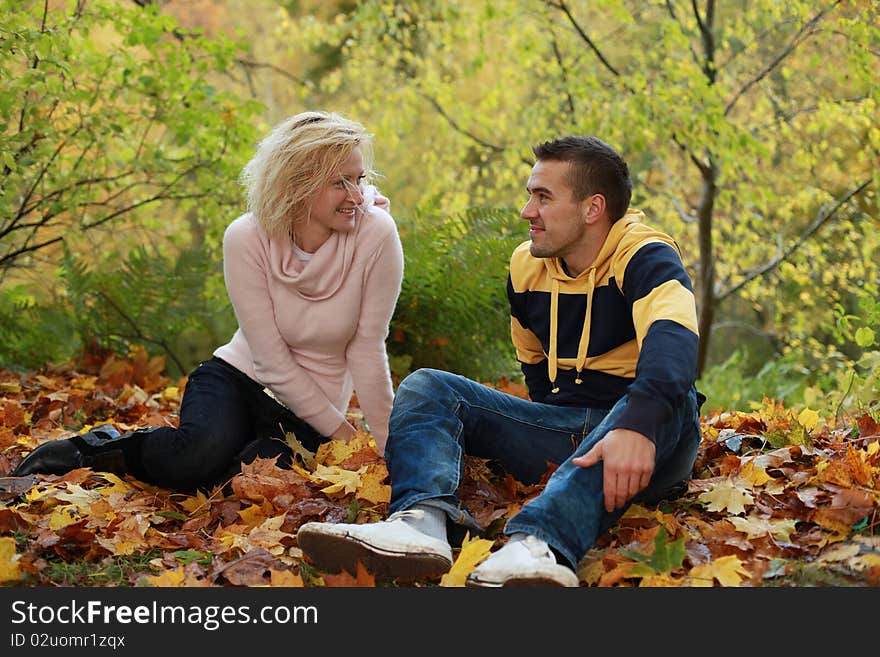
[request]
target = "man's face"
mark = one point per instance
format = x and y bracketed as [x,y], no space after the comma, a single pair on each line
[556,225]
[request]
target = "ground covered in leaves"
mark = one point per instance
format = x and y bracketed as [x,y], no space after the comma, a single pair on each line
[779,498]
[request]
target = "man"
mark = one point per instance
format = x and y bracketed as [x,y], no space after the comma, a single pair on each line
[604,324]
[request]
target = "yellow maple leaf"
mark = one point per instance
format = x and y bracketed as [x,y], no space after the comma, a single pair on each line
[808,419]
[754,474]
[62,516]
[843,552]
[372,489]
[233,536]
[345,481]
[590,570]
[35,493]
[336,451]
[871,560]
[130,536]
[660,580]
[117,485]
[781,528]
[727,496]
[195,503]
[473,551]
[85,382]
[268,535]
[253,515]
[168,578]
[729,571]
[10,571]
[751,526]
[10,387]
[79,497]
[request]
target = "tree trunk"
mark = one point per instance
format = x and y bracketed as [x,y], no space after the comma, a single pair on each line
[706,288]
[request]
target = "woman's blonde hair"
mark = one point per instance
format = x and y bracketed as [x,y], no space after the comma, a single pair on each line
[296,160]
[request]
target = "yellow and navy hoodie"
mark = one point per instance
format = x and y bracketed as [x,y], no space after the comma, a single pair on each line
[627,324]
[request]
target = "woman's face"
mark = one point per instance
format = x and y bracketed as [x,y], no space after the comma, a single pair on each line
[337,206]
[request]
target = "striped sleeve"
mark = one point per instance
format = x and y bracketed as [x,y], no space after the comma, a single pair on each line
[529,352]
[661,297]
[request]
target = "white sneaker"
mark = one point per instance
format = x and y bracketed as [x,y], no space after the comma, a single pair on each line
[528,562]
[388,549]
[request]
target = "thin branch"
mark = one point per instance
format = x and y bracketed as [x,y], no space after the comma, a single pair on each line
[708,37]
[249,64]
[788,117]
[558,55]
[798,38]
[495,148]
[140,334]
[139,204]
[821,220]
[12,255]
[592,46]
[24,201]
[671,9]
[63,190]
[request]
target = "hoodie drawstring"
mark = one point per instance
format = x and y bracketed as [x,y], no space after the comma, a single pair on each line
[554,323]
[552,357]
[585,332]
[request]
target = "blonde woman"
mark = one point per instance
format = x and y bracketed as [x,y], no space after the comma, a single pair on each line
[313,271]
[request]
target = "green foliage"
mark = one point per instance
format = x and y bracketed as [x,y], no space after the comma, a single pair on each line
[34,334]
[666,557]
[733,385]
[108,111]
[148,299]
[115,133]
[744,124]
[145,298]
[453,312]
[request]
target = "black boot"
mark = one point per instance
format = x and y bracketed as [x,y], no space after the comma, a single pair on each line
[100,449]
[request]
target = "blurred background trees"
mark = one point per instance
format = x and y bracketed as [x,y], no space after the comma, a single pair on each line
[750,128]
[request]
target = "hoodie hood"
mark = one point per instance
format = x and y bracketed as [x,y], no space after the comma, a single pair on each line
[627,234]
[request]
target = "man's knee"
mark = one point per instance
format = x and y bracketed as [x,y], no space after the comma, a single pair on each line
[424,382]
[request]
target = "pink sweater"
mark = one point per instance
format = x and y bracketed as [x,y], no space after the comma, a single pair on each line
[315,335]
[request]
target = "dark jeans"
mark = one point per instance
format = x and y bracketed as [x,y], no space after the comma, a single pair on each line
[225,419]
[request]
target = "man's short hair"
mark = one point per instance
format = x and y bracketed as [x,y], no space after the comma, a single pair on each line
[596,168]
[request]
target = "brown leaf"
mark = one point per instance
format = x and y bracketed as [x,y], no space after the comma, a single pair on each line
[251,569]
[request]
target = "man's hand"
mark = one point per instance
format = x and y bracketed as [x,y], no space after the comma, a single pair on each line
[628,463]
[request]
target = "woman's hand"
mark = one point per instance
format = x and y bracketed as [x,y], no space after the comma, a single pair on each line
[344,432]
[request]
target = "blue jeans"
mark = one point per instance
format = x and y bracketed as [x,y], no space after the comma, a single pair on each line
[438,417]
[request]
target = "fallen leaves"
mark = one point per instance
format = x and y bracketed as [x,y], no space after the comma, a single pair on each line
[473,551]
[9,568]
[726,495]
[779,498]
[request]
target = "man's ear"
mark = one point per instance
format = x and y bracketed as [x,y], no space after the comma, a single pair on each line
[593,208]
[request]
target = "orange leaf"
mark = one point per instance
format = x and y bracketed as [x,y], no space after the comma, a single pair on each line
[344,579]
